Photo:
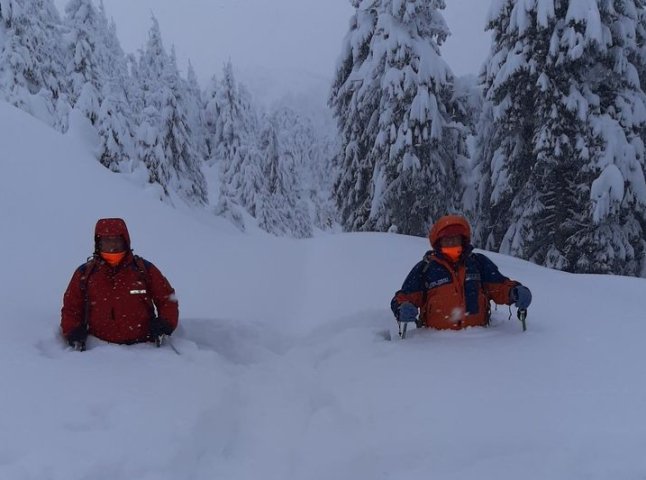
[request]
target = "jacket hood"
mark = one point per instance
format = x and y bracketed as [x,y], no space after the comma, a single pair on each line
[447,226]
[110,227]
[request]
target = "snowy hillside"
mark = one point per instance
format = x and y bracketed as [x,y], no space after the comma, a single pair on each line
[284,370]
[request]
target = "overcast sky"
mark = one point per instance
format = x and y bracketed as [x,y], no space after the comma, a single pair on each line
[276,38]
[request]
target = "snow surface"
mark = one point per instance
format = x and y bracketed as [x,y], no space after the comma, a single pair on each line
[284,370]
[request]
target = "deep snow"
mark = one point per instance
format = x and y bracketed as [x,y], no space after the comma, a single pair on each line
[284,371]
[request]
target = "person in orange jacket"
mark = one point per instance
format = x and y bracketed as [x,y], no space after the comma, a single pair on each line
[117,296]
[451,288]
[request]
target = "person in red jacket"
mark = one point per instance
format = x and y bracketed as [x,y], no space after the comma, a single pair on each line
[117,296]
[452,287]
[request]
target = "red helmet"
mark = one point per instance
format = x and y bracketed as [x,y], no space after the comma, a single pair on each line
[450,225]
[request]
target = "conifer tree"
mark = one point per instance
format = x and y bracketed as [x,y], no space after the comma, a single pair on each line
[31,60]
[184,161]
[163,141]
[116,118]
[234,144]
[311,149]
[195,113]
[393,100]
[86,54]
[280,208]
[563,156]
[210,116]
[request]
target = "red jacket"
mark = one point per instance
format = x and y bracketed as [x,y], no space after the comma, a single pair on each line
[121,300]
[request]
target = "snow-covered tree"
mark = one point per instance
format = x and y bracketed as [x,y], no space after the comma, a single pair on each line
[116,119]
[185,161]
[638,57]
[402,145]
[210,116]
[280,207]
[99,82]
[468,101]
[563,157]
[163,141]
[31,59]
[86,57]
[234,144]
[469,106]
[195,113]
[311,146]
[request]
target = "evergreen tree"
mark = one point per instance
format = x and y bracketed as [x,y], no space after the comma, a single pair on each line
[195,113]
[210,117]
[184,162]
[86,54]
[563,157]
[469,102]
[280,208]
[163,141]
[31,59]
[311,148]
[115,122]
[355,102]
[234,144]
[638,57]
[149,97]
[393,100]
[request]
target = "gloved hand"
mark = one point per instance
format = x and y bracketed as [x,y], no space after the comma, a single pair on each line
[76,338]
[159,327]
[407,312]
[521,296]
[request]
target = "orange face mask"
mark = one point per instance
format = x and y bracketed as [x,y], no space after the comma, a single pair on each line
[452,253]
[113,259]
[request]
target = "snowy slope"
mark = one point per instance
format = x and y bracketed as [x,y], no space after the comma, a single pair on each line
[284,372]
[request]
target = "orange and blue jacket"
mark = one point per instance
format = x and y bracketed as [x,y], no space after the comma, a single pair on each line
[454,296]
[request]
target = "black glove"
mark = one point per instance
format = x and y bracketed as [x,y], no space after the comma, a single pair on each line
[76,338]
[159,327]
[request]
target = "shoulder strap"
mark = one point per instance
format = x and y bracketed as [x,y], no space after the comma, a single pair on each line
[481,267]
[428,257]
[86,270]
[140,263]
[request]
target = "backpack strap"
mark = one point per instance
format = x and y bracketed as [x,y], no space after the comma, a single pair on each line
[140,265]
[428,257]
[86,270]
[484,292]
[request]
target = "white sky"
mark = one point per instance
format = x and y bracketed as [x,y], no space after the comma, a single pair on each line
[275,38]
[284,372]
